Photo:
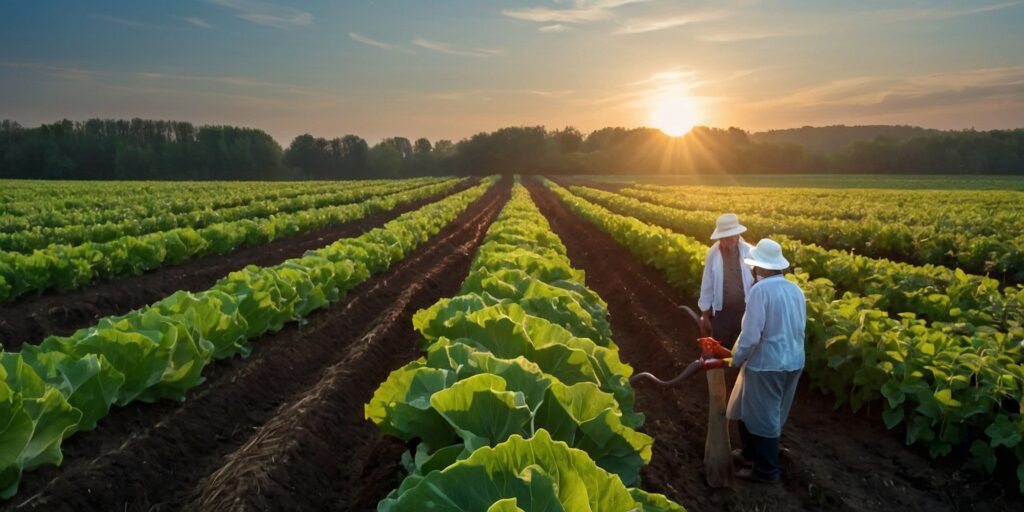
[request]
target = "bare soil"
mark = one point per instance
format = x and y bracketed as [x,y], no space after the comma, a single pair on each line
[282,429]
[31,318]
[833,459]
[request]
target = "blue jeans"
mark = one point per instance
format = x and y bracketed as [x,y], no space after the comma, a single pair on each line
[762,451]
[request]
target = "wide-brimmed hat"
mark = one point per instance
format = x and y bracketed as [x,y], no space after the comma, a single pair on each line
[727,225]
[767,255]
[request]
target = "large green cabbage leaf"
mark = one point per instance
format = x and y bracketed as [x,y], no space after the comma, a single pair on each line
[535,474]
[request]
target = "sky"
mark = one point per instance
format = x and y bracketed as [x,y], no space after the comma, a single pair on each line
[452,68]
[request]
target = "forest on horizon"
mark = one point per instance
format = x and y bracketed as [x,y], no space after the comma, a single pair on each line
[174,150]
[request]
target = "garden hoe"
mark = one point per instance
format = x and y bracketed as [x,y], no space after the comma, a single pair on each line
[717,450]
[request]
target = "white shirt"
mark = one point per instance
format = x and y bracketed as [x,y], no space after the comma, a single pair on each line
[714,272]
[772,335]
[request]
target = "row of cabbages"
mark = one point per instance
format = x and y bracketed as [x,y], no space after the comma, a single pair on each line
[981,240]
[521,402]
[932,292]
[68,383]
[93,229]
[951,388]
[67,267]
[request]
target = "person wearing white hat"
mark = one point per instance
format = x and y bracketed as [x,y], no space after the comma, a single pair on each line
[726,281]
[770,350]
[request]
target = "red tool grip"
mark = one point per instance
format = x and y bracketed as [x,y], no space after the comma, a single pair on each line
[712,349]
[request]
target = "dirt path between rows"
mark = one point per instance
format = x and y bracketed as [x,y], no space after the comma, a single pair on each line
[31,318]
[283,429]
[834,459]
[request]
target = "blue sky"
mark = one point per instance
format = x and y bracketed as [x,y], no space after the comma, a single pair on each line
[448,69]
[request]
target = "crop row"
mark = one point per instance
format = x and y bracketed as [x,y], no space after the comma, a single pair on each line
[950,390]
[1000,254]
[68,267]
[987,212]
[521,402]
[55,204]
[38,237]
[932,292]
[67,384]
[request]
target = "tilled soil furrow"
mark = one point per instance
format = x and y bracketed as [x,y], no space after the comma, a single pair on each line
[311,452]
[32,318]
[835,460]
[152,456]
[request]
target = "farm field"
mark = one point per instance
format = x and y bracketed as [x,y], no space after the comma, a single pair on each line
[307,345]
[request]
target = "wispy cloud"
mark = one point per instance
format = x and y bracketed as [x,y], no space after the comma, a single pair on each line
[550,29]
[452,49]
[121,21]
[734,35]
[197,22]
[812,25]
[64,72]
[263,13]
[497,94]
[872,95]
[355,36]
[147,76]
[582,11]
[644,25]
[939,13]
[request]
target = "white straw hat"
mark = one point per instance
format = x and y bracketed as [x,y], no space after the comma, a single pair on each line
[727,225]
[767,255]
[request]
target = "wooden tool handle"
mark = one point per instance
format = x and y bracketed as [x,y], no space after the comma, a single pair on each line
[717,450]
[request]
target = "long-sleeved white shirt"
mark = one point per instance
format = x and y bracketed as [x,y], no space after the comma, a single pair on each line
[772,333]
[714,272]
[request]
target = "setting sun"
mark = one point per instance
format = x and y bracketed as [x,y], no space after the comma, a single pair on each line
[675,116]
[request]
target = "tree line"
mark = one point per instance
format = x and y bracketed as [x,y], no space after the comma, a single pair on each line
[170,150]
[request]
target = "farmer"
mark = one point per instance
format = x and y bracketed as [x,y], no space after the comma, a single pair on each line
[770,350]
[723,290]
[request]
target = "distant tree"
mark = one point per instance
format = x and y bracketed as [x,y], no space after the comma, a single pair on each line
[443,146]
[354,153]
[402,144]
[568,140]
[383,161]
[421,146]
[137,149]
[518,149]
[303,153]
[151,149]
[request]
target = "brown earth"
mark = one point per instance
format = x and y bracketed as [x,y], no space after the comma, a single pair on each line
[282,429]
[833,459]
[32,318]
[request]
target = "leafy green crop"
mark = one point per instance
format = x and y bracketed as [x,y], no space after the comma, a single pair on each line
[522,360]
[535,474]
[68,383]
[949,385]
[36,418]
[96,225]
[67,267]
[932,292]
[470,396]
[977,231]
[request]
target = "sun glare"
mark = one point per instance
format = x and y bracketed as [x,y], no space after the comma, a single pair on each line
[675,116]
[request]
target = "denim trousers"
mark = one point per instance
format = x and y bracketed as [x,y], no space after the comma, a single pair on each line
[762,451]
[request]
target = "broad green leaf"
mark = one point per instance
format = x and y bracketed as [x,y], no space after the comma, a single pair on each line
[481,411]
[654,502]
[506,505]
[892,417]
[984,454]
[1003,432]
[541,474]
[945,397]
[90,383]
